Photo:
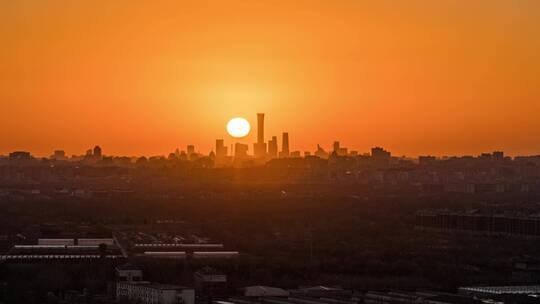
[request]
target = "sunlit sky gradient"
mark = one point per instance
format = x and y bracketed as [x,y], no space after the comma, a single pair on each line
[144,77]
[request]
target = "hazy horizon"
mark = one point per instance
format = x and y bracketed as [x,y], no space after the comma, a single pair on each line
[327,148]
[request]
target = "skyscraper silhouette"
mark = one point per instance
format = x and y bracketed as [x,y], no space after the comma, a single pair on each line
[273,147]
[221,149]
[260,146]
[260,128]
[284,145]
[240,151]
[97,152]
[336,147]
[190,149]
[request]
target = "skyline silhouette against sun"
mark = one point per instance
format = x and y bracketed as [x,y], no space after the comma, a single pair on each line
[143,77]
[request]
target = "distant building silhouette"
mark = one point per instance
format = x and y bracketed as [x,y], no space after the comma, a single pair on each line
[295,154]
[259,147]
[190,150]
[321,153]
[183,155]
[380,157]
[172,156]
[97,152]
[20,155]
[379,152]
[284,145]
[339,150]
[273,147]
[336,146]
[260,127]
[240,150]
[221,149]
[498,155]
[59,155]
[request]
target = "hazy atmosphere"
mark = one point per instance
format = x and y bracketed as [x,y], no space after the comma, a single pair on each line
[144,77]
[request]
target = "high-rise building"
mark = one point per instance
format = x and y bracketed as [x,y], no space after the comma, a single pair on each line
[240,150]
[259,147]
[221,149]
[273,147]
[339,150]
[336,147]
[284,145]
[59,155]
[321,153]
[379,152]
[260,128]
[498,155]
[183,155]
[97,152]
[190,150]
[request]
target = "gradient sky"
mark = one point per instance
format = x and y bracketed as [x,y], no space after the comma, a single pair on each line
[441,77]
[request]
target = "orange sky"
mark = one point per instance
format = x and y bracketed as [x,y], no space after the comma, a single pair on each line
[144,77]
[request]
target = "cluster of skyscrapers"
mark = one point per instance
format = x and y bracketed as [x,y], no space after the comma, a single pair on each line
[261,149]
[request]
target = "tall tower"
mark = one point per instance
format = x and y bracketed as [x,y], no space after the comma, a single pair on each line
[221,149]
[260,128]
[284,145]
[190,150]
[97,152]
[259,147]
[336,146]
[273,147]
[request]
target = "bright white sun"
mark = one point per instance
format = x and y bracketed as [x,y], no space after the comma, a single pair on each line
[238,127]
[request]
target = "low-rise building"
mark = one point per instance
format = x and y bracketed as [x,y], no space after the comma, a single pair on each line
[152,293]
[129,272]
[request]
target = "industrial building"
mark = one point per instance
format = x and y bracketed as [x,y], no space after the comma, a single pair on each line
[478,223]
[152,293]
[66,250]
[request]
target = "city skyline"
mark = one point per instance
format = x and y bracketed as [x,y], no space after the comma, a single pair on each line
[441,78]
[265,149]
[261,147]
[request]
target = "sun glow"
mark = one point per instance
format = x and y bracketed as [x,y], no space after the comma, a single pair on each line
[238,127]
